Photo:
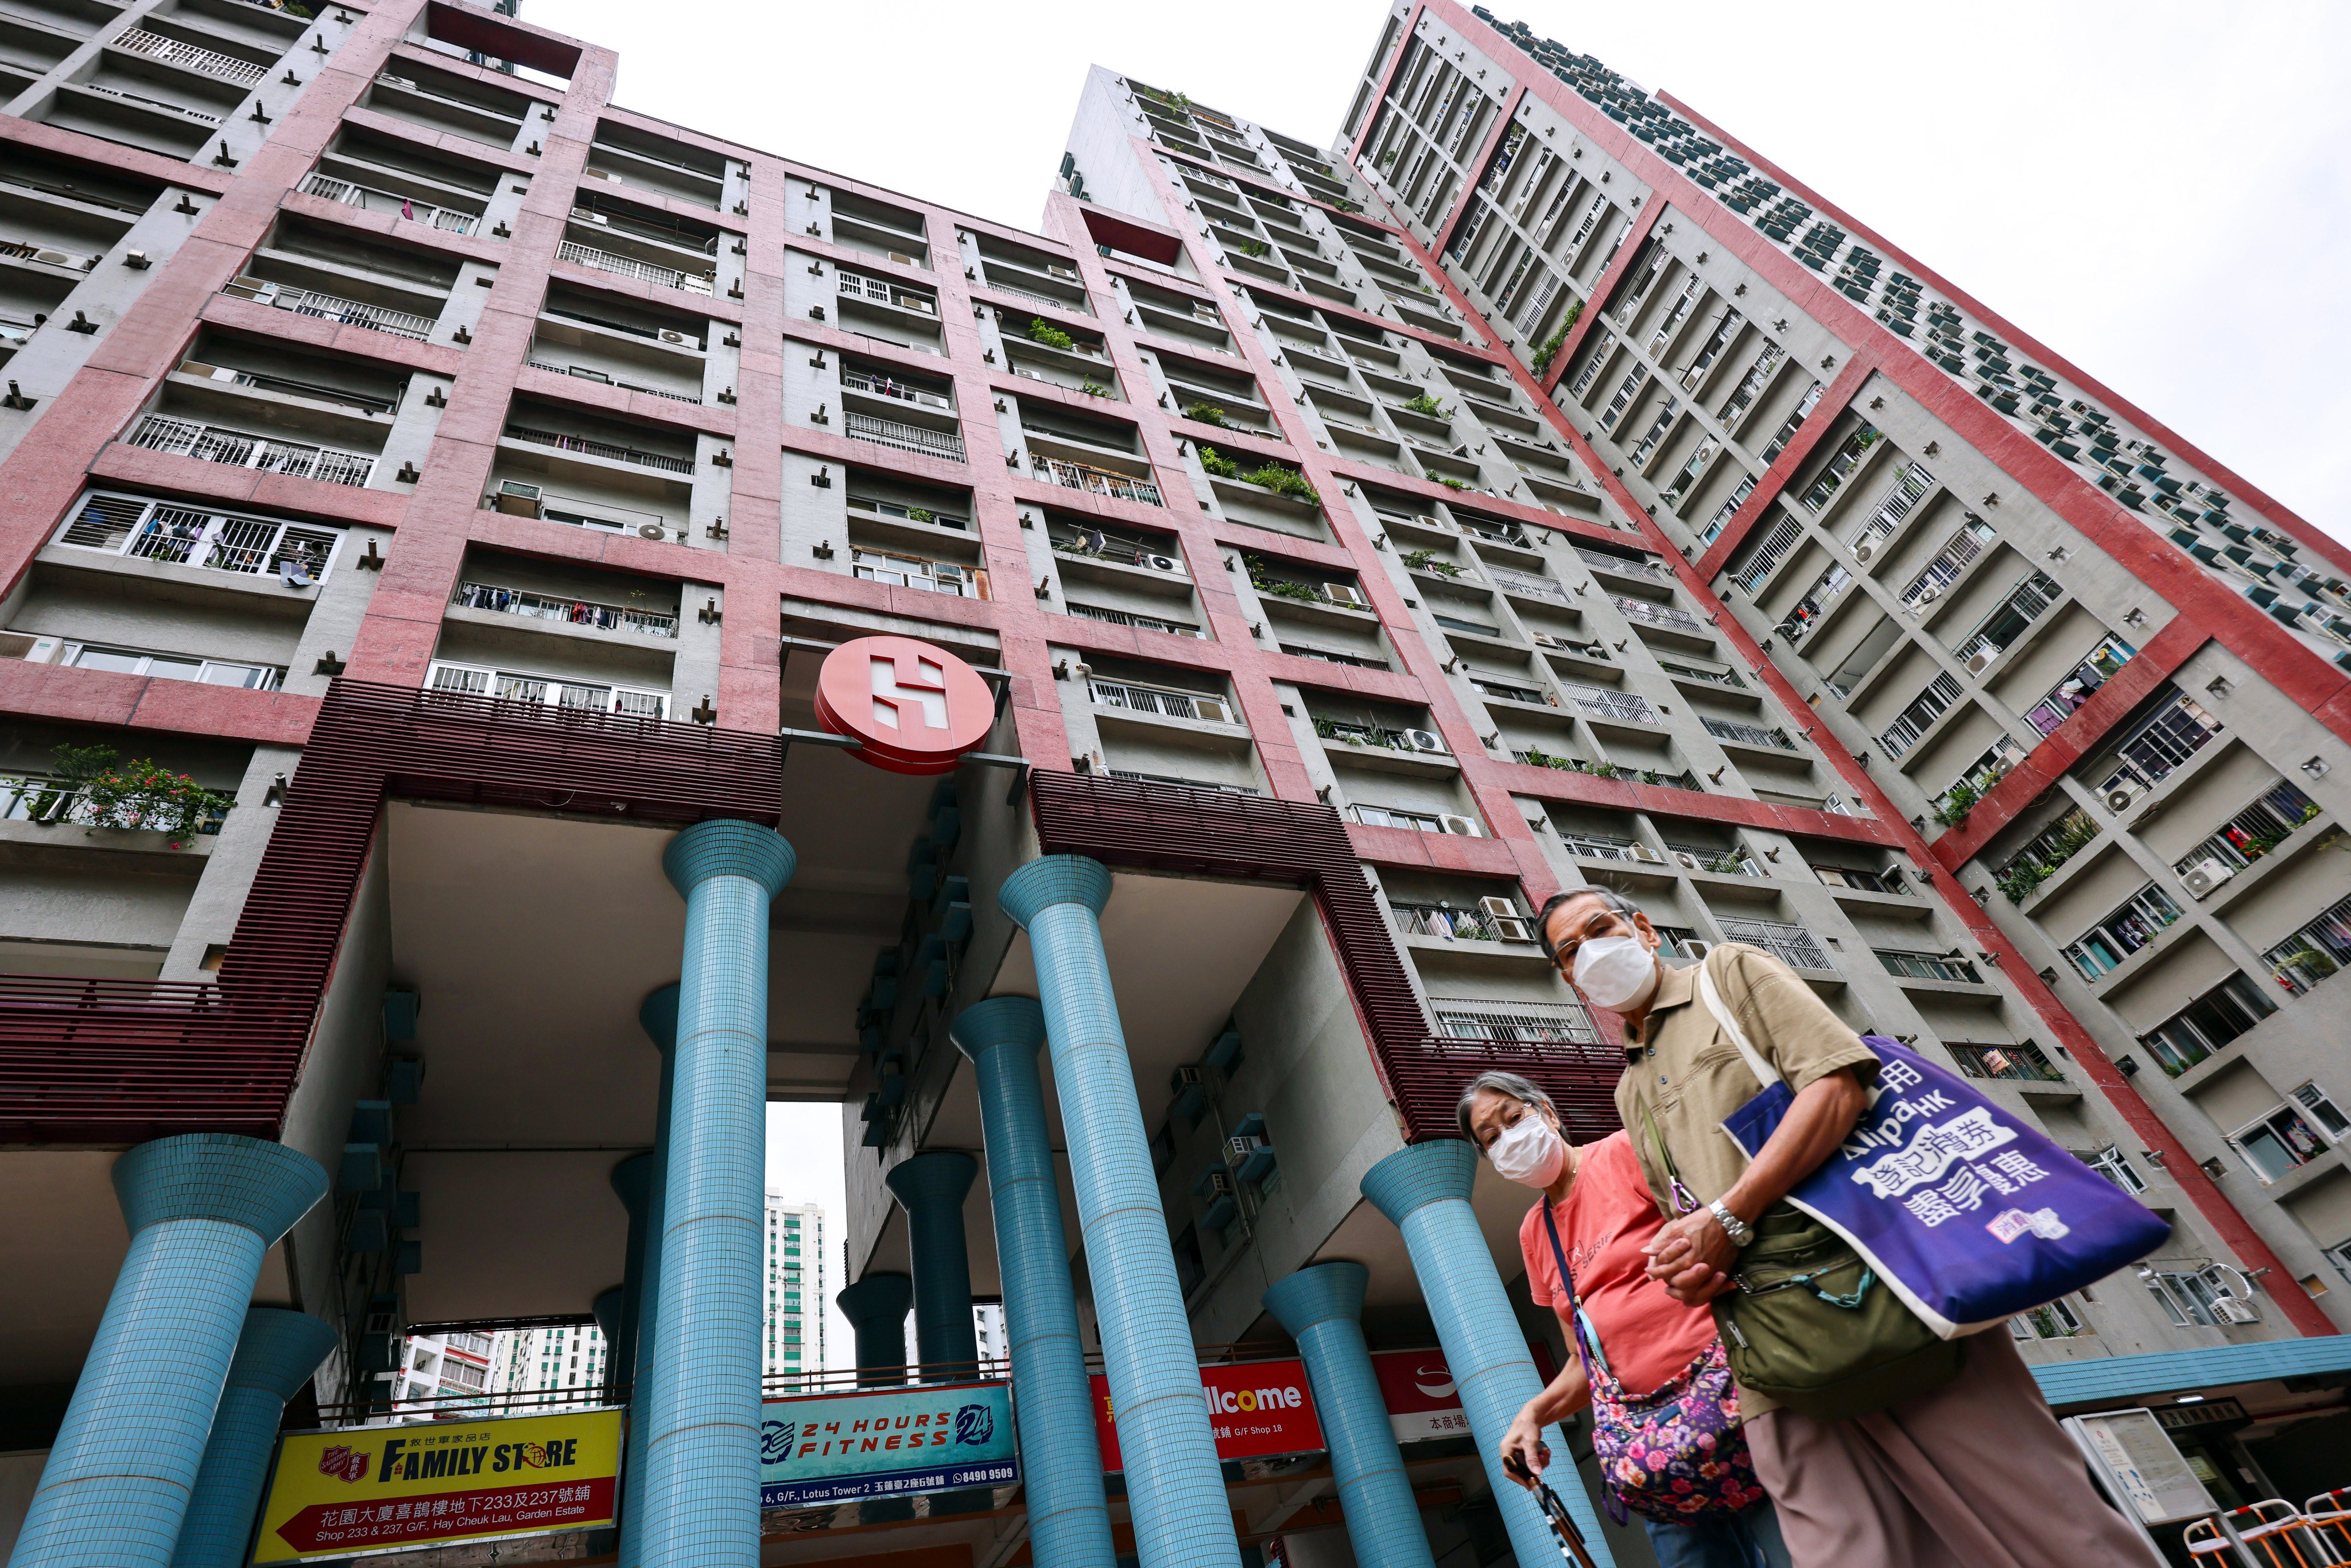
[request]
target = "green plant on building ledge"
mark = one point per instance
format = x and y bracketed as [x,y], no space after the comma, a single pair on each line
[1205,413]
[1252,247]
[921,514]
[131,795]
[1448,484]
[1279,587]
[1956,802]
[1218,465]
[1093,389]
[1052,337]
[1282,481]
[1426,560]
[1557,340]
[1428,407]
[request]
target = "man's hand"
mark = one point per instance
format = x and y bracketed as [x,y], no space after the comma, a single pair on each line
[1691,1257]
[1524,1443]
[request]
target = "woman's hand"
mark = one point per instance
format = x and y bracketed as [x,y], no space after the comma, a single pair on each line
[1525,1453]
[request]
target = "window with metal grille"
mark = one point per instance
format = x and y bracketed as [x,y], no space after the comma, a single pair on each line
[1791,945]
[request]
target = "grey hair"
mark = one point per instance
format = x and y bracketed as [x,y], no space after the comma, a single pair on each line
[1609,899]
[1525,1091]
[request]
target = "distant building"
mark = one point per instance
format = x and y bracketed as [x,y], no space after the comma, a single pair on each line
[987,1323]
[794,1337]
[448,1369]
[567,1357]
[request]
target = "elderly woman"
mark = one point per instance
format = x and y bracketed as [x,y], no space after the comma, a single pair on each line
[1655,1365]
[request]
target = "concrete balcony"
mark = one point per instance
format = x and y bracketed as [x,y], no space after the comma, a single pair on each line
[240,449]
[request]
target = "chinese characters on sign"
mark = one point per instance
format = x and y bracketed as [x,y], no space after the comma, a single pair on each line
[378,1489]
[1258,1409]
[840,1447]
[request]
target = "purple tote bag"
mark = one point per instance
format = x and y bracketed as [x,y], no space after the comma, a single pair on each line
[1967,1213]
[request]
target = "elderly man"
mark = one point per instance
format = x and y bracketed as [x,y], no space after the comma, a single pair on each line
[1975,1473]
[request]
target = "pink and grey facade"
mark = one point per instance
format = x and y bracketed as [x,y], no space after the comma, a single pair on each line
[451,483]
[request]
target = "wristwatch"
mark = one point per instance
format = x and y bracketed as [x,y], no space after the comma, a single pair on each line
[1737,1229]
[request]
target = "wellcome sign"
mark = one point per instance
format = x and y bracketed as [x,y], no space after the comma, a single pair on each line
[1257,1410]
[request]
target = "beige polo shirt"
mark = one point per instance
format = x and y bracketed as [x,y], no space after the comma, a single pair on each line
[1683,1073]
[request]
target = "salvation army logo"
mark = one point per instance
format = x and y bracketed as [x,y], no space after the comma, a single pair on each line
[974,1424]
[343,1464]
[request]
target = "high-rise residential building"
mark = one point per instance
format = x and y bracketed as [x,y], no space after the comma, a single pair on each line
[452,1371]
[794,1327]
[437,491]
[561,1366]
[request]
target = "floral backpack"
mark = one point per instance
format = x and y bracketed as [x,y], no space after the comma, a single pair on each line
[1676,1455]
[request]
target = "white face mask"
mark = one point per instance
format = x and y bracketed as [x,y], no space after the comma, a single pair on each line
[1527,1152]
[1615,972]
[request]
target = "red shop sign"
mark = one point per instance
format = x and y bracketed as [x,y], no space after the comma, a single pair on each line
[914,707]
[1422,1398]
[1258,1409]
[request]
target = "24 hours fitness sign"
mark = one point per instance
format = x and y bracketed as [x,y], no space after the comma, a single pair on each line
[379,1489]
[839,1448]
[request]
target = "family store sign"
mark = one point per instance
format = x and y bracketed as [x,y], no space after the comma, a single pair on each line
[840,1447]
[434,1483]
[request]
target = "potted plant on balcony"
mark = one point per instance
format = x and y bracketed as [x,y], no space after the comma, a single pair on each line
[1051,336]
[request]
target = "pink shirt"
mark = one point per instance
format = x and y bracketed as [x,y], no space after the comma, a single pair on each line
[1604,1221]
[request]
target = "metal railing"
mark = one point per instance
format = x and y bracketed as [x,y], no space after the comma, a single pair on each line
[1158,556]
[1602,561]
[1510,581]
[2315,951]
[1606,704]
[1129,618]
[25,250]
[1913,483]
[2023,1063]
[587,373]
[367,198]
[1750,733]
[1841,462]
[905,437]
[1718,677]
[366,402]
[883,386]
[329,307]
[1080,304]
[1443,920]
[1165,701]
[1764,556]
[141,98]
[2059,702]
[28,798]
[628,266]
[238,449]
[1913,966]
[174,535]
[1509,1022]
[2176,730]
[882,292]
[2254,832]
[1957,552]
[1791,945]
[2025,603]
[1101,482]
[604,449]
[1660,615]
[174,52]
[571,611]
[1914,720]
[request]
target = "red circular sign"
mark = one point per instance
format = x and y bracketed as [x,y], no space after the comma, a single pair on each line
[913,707]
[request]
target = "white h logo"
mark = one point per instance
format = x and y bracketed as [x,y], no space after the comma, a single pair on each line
[930,693]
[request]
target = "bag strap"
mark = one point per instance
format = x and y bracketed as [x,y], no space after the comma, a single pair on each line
[1575,1314]
[1765,1074]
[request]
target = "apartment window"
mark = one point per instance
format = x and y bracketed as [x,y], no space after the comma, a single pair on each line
[1166,700]
[2103,948]
[2291,1135]
[1927,966]
[914,572]
[2013,1061]
[548,691]
[169,666]
[1791,945]
[2207,1297]
[1861,881]
[2316,952]
[1514,1022]
[2056,1320]
[1390,817]
[2207,1024]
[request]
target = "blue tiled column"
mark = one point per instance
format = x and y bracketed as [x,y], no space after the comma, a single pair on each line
[633,1184]
[1424,1191]
[931,1189]
[1175,1489]
[701,1494]
[1060,1463]
[876,1309]
[657,1015]
[1322,1308]
[276,1356]
[202,1211]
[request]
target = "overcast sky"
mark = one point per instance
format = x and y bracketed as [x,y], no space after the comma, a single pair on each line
[2157,190]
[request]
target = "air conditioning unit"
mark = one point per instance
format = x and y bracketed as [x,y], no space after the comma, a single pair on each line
[1426,522]
[2231,1311]
[1463,826]
[516,498]
[1513,928]
[2119,797]
[1501,908]
[1344,593]
[903,259]
[1687,861]
[1864,550]
[1693,949]
[1928,594]
[2204,878]
[1643,852]
[1979,660]
[1545,639]
[652,531]
[670,337]
[1212,709]
[1424,741]
[1163,563]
